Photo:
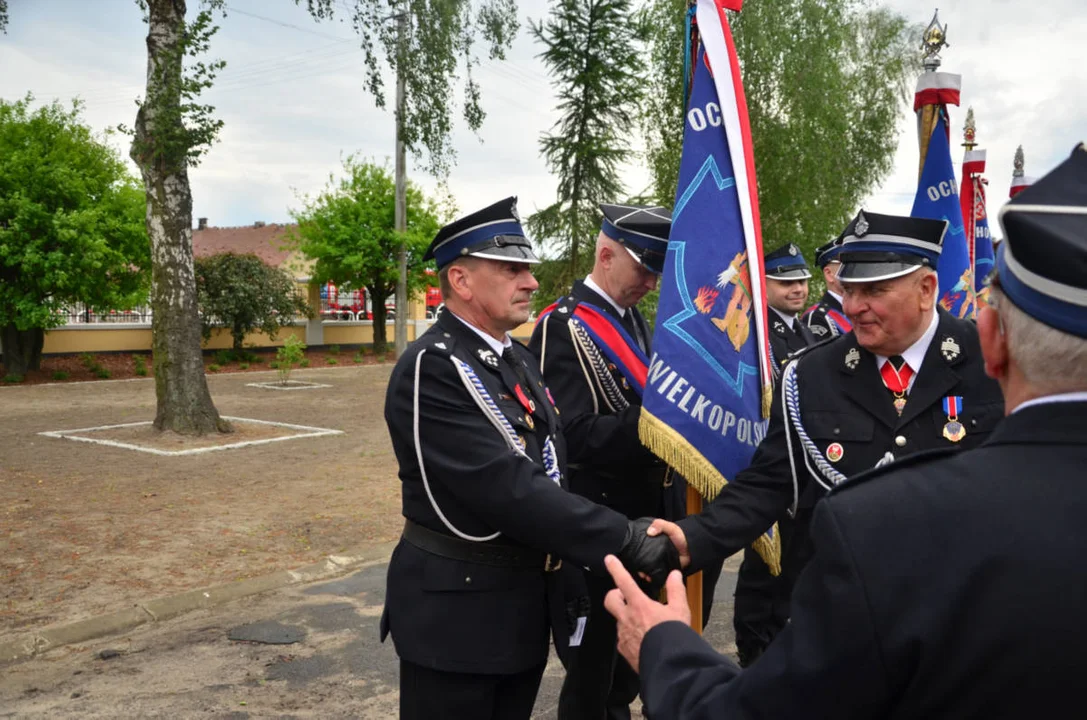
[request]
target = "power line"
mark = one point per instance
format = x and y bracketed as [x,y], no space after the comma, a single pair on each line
[287,25]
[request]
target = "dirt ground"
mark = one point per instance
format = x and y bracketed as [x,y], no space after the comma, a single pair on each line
[88,529]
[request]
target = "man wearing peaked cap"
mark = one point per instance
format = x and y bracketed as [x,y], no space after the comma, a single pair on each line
[787,278]
[826,318]
[587,344]
[761,601]
[908,377]
[493,542]
[949,585]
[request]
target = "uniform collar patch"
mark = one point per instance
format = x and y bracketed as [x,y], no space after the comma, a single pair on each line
[950,349]
[488,357]
[852,358]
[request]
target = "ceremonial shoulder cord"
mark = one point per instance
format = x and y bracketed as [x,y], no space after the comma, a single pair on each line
[478,392]
[790,399]
[613,396]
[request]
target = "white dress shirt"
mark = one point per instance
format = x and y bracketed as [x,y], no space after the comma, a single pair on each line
[915,354]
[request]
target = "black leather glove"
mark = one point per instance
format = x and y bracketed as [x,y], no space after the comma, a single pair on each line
[654,556]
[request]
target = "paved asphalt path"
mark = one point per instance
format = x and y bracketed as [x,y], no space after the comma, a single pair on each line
[330,666]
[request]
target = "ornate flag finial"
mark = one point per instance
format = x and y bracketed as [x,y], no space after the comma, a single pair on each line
[969,130]
[1019,163]
[932,42]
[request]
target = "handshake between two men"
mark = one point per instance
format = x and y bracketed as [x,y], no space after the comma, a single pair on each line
[652,549]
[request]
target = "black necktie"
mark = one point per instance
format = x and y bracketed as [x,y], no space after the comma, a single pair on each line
[518,368]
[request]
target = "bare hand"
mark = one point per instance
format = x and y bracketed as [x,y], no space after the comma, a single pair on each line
[635,613]
[675,534]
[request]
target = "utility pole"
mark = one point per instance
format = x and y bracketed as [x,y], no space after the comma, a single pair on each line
[400,213]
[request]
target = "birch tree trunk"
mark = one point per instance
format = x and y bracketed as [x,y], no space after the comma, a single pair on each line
[184,404]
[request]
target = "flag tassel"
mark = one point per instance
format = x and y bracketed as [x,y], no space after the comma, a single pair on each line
[667,444]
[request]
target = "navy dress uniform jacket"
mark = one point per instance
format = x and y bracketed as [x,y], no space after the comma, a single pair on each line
[457,616]
[785,340]
[944,586]
[608,463]
[844,402]
[822,325]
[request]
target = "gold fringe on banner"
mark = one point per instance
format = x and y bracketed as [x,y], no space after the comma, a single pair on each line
[671,447]
[767,398]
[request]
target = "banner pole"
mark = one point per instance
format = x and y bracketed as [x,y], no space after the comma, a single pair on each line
[694,582]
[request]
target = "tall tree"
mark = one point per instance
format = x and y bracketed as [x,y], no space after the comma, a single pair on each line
[592,49]
[348,230]
[71,227]
[172,131]
[435,42]
[826,82]
[245,294]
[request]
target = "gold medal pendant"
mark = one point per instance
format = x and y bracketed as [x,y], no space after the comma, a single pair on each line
[532,425]
[900,402]
[954,431]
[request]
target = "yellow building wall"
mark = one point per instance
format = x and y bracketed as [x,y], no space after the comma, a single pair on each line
[360,333]
[523,331]
[104,338]
[79,339]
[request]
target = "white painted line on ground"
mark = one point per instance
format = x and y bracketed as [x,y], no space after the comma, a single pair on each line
[291,385]
[309,431]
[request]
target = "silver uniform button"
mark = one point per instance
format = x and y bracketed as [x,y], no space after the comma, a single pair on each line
[900,441]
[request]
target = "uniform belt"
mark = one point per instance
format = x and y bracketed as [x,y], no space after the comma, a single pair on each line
[489,553]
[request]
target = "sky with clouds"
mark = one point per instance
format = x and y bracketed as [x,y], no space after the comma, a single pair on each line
[293,102]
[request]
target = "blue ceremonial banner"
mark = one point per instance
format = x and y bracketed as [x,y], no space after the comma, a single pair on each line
[938,199]
[707,393]
[983,246]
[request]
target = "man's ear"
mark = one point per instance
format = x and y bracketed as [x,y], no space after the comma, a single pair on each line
[607,254]
[460,281]
[994,343]
[929,286]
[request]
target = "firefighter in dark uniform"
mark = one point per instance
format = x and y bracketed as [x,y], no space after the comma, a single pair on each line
[477,582]
[582,361]
[826,318]
[885,390]
[787,278]
[761,601]
[949,584]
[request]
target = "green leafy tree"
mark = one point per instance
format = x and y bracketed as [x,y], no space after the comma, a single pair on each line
[427,46]
[71,227]
[592,49]
[348,231]
[825,82]
[245,294]
[172,132]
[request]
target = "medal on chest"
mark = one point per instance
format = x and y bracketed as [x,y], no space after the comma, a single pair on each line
[953,430]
